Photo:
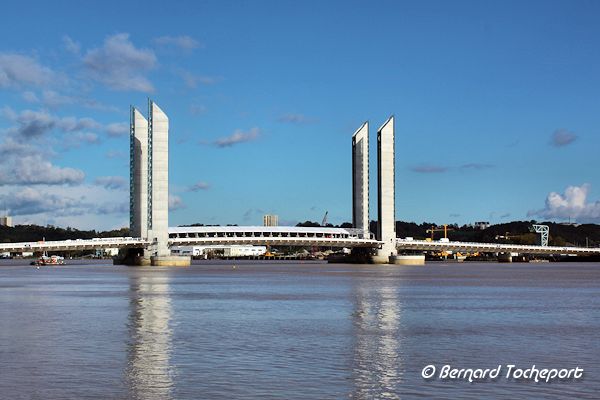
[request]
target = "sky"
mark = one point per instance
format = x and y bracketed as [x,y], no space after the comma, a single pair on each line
[497,108]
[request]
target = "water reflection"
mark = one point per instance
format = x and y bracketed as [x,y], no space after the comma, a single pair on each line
[378,365]
[149,374]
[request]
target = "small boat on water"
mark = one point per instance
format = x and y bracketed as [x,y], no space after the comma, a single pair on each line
[49,260]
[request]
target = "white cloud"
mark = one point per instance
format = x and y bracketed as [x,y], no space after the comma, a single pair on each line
[175,202]
[197,109]
[562,137]
[571,204]
[36,170]
[476,166]
[72,124]
[184,42]
[238,136]
[17,70]
[117,129]
[82,206]
[192,80]
[70,45]
[30,97]
[54,99]
[76,139]
[429,169]
[112,154]
[294,118]
[112,182]
[13,148]
[120,65]
[32,124]
[199,186]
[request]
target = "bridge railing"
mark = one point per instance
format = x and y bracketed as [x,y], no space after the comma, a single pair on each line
[496,247]
[73,244]
[359,233]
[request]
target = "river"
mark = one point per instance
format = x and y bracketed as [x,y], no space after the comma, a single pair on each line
[240,330]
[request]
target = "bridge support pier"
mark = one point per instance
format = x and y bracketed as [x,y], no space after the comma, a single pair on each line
[505,257]
[382,258]
[408,259]
[171,261]
[136,258]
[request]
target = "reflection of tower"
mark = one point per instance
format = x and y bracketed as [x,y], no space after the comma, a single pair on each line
[386,227]
[149,373]
[149,179]
[378,366]
[360,179]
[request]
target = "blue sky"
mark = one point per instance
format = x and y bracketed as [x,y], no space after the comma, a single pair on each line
[496,105]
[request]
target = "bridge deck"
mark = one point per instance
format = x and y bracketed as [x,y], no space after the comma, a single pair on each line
[424,245]
[77,244]
[284,236]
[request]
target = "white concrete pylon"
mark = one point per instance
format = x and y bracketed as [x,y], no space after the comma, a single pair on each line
[138,196]
[386,193]
[158,180]
[360,179]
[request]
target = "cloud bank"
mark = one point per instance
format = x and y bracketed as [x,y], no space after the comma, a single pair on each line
[237,137]
[120,65]
[562,137]
[573,204]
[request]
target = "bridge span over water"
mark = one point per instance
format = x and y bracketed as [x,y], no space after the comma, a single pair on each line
[74,245]
[271,235]
[424,245]
[285,236]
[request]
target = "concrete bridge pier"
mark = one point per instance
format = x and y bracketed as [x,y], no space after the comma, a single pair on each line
[137,258]
[409,259]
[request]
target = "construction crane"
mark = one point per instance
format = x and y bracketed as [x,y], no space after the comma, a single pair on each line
[324,222]
[544,230]
[445,229]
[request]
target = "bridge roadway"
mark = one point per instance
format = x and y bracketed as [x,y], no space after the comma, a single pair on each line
[213,235]
[271,235]
[284,236]
[74,244]
[424,245]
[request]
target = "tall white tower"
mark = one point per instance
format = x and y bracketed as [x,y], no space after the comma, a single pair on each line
[360,179]
[158,180]
[386,209]
[149,179]
[138,175]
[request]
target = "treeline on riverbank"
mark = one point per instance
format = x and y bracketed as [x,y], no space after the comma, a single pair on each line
[517,232]
[34,233]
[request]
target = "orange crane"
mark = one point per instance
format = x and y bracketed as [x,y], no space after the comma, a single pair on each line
[445,229]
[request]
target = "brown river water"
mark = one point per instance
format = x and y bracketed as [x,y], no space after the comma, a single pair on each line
[295,330]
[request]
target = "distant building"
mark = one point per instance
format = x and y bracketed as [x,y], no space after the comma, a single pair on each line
[6,221]
[108,252]
[270,220]
[228,251]
[244,251]
[481,225]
